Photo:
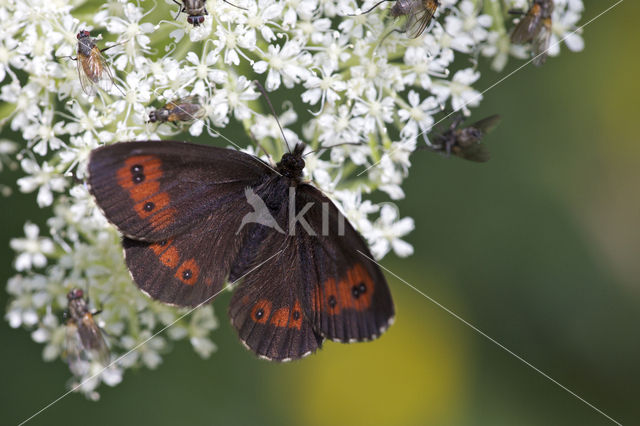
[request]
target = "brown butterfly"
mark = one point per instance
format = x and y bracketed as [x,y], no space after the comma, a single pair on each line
[181,110]
[465,142]
[183,210]
[93,70]
[535,28]
[85,341]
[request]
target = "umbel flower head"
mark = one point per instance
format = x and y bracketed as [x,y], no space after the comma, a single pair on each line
[361,96]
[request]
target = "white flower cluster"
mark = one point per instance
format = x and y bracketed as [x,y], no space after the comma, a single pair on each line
[362,98]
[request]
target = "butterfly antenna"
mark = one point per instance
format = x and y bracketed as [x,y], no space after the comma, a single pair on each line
[273,111]
[368,10]
[333,146]
[259,145]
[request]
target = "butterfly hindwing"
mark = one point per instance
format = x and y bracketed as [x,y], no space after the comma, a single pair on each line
[347,296]
[266,308]
[191,267]
[342,293]
[154,190]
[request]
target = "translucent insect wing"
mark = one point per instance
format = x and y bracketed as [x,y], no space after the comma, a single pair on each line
[93,340]
[74,351]
[541,42]
[527,27]
[418,20]
[476,152]
[487,124]
[87,85]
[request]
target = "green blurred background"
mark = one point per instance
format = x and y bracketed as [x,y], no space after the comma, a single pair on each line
[538,248]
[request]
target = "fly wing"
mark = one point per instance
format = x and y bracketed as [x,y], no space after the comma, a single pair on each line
[87,84]
[93,340]
[418,20]
[94,72]
[477,152]
[527,27]
[540,43]
[187,109]
[487,125]
[74,351]
[104,76]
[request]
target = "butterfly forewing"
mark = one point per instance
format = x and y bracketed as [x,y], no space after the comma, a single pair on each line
[154,190]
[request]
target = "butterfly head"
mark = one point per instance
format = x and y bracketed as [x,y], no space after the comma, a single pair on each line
[292,164]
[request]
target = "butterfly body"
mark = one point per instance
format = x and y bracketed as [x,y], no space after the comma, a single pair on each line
[305,274]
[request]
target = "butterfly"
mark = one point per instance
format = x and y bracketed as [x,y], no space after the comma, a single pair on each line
[85,341]
[193,218]
[535,28]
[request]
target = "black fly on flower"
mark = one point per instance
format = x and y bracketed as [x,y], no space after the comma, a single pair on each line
[93,70]
[196,10]
[181,110]
[535,28]
[85,341]
[465,142]
[419,14]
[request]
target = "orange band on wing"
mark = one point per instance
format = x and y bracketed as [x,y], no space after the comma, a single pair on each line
[188,272]
[140,177]
[170,257]
[261,311]
[280,317]
[152,205]
[353,292]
